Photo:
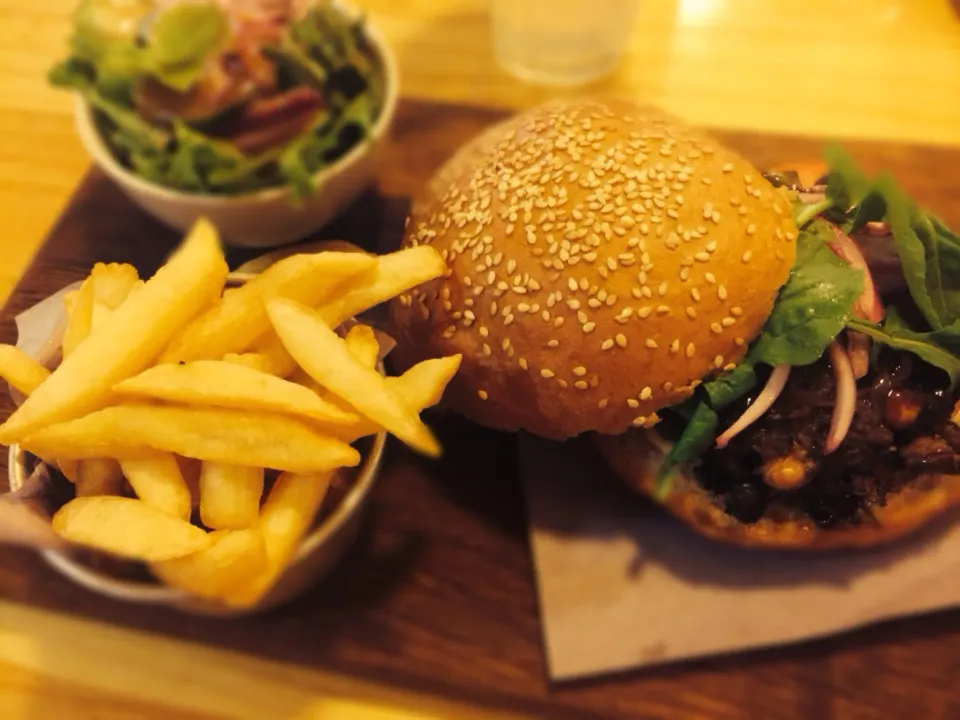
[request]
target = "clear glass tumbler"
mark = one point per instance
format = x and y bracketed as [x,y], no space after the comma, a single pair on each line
[561,42]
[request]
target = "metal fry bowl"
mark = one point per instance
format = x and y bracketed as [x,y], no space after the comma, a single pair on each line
[322,548]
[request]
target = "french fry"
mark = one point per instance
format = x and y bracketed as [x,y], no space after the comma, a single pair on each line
[130,339]
[158,481]
[79,309]
[418,388]
[362,342]
[230,495]
[20,370]
[214,434]
[128,528]
[289,511]
[223,384]
[328,360]
[98,476]
[252,360]
[233,557]
[234,323]
[112,284]
[395,273]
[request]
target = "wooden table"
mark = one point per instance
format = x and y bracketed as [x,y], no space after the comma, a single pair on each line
[781,67]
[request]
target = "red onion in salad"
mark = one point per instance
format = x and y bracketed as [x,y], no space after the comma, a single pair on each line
[846,402]
[771,391]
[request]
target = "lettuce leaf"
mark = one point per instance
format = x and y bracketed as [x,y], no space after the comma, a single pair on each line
[181,39]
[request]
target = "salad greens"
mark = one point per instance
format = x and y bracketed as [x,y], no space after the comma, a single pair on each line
[193,98]
[816,302]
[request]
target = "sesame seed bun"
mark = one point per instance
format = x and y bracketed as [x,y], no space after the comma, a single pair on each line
[637,456]
[603,260]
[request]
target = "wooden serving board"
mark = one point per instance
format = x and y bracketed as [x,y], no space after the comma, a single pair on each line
[438,596]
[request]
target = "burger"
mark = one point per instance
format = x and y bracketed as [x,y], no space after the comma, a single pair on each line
[769,355]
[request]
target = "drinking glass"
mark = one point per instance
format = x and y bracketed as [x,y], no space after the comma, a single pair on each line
[561,42]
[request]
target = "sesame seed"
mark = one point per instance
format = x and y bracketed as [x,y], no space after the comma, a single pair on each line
[484,332]
[650,343]
[582,317]
[621,340]
[662,309]
[691,350]
[606,344]
[710,278]
[572,284]
[644,312]
[523,363]
[482,394]
[557,322]
[580,371]
[728,321]
[712,246]
[727,167]
[633,403]
[581,385]
[751,229]
[646,393]
[695,294]
[646,292]
[662,289]
[722,292]
[635,292]
[718,361]
[486,350]
[547,374]
[675,346]
[746,256]
[739,341]
[602,403]
[589,327]
[715,217]
[684,274]
[737,311]
[691,313]
[715,327]
[702,257]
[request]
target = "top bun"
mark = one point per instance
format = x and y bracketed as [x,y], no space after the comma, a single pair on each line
[603,260]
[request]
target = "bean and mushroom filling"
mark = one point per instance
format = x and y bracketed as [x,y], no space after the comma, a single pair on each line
[903,427]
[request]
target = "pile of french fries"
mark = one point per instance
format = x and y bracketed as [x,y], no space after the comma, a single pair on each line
[184,391]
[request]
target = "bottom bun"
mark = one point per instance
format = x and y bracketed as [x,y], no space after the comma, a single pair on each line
[637,455]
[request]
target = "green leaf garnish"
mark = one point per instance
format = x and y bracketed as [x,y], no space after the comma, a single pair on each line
[940,348]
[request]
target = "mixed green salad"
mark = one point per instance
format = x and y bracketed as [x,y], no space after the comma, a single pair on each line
[224,97]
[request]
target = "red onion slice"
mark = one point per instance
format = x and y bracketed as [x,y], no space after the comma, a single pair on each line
[846,402]
[771,391]
[868,305]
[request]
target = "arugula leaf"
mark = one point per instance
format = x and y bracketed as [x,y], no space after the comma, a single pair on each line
[181,38]
[940,348]
[697,437]
[812,307]
[929,256]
